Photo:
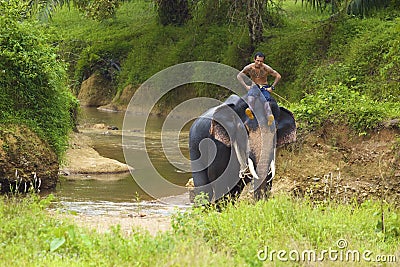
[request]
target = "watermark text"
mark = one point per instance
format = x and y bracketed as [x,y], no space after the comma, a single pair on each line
[338,253]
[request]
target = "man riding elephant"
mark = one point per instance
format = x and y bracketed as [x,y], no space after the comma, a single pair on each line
[258,73]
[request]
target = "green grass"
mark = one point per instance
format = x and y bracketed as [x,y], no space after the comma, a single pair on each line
[233,237]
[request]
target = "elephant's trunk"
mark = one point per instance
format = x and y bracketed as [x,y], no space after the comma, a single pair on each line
[262,143]
[249,171]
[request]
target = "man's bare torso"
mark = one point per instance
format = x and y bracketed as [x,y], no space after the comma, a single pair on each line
[258,75]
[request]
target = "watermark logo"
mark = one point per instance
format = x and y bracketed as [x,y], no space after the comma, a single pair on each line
[339,253]
[143,102]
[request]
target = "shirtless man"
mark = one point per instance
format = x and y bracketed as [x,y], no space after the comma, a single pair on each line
[258,72]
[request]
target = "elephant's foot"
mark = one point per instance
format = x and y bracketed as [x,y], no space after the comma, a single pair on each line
[249,113]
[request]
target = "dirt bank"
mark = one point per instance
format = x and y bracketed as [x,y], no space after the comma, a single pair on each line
[25,160]
[128,225]
[334,163]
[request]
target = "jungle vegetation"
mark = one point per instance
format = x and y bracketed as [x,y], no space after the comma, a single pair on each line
[335,63]
[317,46]
[326,52]
[33,80]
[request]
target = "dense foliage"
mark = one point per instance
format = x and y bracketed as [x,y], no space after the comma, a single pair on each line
[32,78]
[174,12]
[338,104]
[312,50]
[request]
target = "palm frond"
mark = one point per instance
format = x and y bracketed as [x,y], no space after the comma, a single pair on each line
[45,8]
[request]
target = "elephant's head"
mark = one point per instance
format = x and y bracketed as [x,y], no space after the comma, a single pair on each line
[252,140]
[223,140]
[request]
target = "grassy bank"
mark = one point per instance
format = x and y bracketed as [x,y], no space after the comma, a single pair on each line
[33,89]
[238,236]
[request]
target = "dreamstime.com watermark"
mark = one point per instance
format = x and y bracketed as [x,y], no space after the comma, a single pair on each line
[340,252]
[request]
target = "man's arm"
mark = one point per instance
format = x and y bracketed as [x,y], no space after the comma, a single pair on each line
[275,74]
[243,75]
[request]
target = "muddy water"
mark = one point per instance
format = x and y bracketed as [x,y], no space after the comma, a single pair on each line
[97,195]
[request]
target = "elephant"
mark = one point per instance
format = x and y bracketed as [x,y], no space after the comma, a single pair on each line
[228,149]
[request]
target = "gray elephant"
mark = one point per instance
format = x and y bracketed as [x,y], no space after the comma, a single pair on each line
[228,149]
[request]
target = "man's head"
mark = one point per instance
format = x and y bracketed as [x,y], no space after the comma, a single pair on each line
[259,59]
[259,54]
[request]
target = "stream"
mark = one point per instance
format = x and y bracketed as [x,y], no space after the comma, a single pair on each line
[120,194]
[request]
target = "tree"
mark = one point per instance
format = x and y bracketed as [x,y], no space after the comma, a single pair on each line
[258,14]
[255,16]
[173,12]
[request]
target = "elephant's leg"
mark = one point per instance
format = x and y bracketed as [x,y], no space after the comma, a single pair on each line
[199,164]
[201,184]
[230,197]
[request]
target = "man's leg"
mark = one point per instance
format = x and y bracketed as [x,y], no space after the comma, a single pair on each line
[267,107]
[268,113]
[251,96]
[275,109]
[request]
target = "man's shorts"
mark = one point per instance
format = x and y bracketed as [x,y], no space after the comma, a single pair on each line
[257,90]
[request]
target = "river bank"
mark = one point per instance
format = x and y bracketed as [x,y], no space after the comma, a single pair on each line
[332,164]
[84,163]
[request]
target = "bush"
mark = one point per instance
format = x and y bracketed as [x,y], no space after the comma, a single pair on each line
[339,104]
[32,78]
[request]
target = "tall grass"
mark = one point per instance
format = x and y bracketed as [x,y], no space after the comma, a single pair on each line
[235,236]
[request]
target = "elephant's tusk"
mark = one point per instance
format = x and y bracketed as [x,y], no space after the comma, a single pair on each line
[252,170]
[272,168]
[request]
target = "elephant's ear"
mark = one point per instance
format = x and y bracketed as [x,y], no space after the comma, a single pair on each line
[286,132]
[222,122]
[219,133]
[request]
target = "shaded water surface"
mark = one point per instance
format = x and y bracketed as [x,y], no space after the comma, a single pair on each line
[96,195]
